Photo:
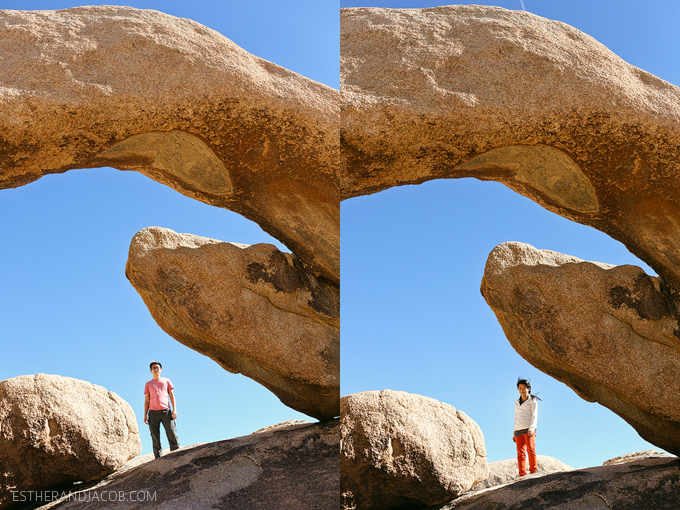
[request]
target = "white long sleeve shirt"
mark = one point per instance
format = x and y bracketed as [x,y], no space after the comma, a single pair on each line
[526,414]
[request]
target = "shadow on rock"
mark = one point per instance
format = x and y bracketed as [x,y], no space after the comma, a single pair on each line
[290,467]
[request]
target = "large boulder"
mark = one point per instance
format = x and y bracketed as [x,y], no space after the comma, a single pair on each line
[505,471]
[55,430]
[141,90]
[287,467]
[607,332]
[484,92]
[252,309]
[651,484]
[398,448]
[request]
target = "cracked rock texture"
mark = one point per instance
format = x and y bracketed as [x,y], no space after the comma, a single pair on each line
[606,331]
[505,471]
[288,468]
[400,449]
[55,430]
[140,90]
[484,92]
[252,309]
[650,484]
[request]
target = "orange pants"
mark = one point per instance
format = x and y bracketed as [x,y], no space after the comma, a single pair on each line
[525,443]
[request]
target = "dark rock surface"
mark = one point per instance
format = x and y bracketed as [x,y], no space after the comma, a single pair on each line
[294,467]
[650,484]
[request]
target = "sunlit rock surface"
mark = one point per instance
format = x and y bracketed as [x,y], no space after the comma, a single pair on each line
[484,92]
[252,309]
[606,331]
[398,450]
[636,456]
[505,471]
[55,430]
[141,90]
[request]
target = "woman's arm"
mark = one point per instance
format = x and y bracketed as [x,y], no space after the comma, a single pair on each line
[534,417]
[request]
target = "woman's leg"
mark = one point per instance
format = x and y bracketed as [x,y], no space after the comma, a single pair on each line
[520,441]
[531,447]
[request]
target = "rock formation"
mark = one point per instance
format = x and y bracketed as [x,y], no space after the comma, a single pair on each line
[650,484]
[252,309]
[290,467]
[55,430]
[286,423]
[399,449]
[605,331]
[505,471]
[140,90]
[484,92]
[636,456]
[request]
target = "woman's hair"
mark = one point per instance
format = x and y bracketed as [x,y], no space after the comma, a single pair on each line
[526,383]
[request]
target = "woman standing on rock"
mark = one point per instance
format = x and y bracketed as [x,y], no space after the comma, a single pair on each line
[526,419]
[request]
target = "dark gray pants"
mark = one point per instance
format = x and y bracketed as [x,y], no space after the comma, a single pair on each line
[155,420]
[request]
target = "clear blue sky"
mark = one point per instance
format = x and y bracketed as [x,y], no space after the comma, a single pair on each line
[412,257]
[66,307]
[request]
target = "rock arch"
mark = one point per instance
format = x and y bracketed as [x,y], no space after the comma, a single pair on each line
[474,91]
[140,90]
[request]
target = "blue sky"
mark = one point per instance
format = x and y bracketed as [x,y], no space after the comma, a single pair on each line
[412,259]
[66,307]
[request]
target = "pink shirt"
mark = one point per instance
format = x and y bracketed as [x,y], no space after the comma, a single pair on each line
[158,393]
